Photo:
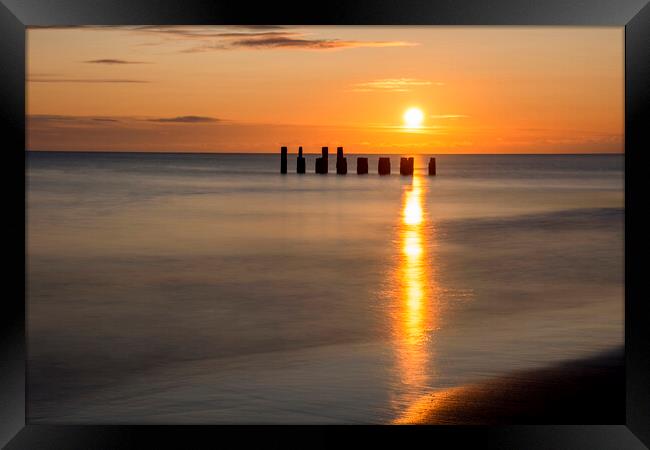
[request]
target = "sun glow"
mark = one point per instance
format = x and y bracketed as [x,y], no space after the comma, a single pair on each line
[413,118]
[412,214]
[415,292]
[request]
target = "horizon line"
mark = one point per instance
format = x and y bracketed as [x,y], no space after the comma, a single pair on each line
[174,152]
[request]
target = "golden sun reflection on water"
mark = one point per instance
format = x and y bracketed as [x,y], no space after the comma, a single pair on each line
[415,295]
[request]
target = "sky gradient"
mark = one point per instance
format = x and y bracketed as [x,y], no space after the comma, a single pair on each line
[253,89]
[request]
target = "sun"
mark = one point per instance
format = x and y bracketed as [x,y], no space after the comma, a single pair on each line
[413,118]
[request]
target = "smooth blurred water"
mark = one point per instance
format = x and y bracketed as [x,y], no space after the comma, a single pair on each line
[176,288]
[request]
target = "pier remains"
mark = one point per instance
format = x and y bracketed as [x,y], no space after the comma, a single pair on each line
[432,166]
[362,165]
[301,165]
[283,160]
[320,166]
[341,162]
[384,166]
[406,166]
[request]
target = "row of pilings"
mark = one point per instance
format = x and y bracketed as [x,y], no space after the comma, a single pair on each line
[322,163]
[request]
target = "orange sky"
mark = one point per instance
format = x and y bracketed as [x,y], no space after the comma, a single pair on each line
[253,89]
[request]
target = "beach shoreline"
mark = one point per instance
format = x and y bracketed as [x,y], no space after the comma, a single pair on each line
[583,391]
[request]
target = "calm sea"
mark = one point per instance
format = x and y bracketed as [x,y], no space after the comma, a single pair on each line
[176,288]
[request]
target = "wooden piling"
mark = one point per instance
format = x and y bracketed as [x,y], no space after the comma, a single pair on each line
[283,160]
[301,165]
[320,166]
[325,159]
[384,166]
[342,166]
[341,162]
[406,166]
[362,166]
[432,166]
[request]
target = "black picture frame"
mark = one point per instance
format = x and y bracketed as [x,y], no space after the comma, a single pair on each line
[16,15]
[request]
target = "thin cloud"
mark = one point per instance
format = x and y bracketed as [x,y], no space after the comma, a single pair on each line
[134,120]
[448,116]
[256,37]
[52,117]
[170,28]
[203,33]
[57,27]
[260,27]
[59,122]
[312,44]
[205,48]
[64,119]
[393,85]
[113,61]
[185,119]
[84,80]
[266,34]
[188,33]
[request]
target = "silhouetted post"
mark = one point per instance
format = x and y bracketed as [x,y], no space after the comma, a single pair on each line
[325,160]
[432,166]
[406,166]
[283,160]
[300,163]
[320,166]
[362,166]
[384,166]
[341,162]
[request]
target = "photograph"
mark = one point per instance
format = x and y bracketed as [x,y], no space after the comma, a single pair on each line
[310,224]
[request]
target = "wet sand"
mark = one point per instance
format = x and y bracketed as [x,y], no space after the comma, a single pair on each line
[587,391]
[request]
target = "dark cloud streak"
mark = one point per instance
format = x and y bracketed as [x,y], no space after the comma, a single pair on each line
[260,37]
[113,61]
[311,44]
[185,119]
[125,119]
[83,80]
[260,27]
[257,37]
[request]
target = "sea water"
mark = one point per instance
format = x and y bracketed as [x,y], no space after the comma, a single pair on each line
[209,288]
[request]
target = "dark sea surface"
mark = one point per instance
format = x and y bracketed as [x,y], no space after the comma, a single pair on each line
[208,288]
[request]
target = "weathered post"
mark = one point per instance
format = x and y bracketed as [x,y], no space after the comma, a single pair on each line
[283,160]
[384,166]
[325,158]
[300,163]
[319,166]
[341,162]
[362,166]
[406,166]
[432,166]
